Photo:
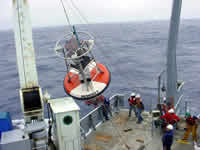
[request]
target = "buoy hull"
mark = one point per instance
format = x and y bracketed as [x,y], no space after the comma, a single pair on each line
[87,90]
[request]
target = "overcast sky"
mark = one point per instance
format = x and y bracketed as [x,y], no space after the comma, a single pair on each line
[50,12]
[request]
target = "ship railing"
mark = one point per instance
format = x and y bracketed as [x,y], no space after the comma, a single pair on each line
[95,118]
[183,105]
[179,105]
[161,86]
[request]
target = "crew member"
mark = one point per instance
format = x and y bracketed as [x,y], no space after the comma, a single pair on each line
[132,104]
[167,138]
[139,107]
[107,105]
[191,123]
[170,118]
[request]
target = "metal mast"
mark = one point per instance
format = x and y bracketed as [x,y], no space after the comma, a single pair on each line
[24,45]
[30,92]
[171,52]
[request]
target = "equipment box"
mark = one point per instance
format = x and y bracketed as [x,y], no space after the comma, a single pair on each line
[5,122]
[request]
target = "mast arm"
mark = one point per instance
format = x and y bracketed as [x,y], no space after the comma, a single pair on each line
[171,52]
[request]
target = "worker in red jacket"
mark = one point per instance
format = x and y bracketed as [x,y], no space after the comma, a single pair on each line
[132,104]
[170,118]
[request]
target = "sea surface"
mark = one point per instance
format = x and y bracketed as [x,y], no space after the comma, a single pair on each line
[135,53]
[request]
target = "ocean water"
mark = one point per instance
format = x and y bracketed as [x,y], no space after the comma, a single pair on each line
[134,52]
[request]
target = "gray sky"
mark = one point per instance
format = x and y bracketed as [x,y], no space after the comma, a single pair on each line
[50,12]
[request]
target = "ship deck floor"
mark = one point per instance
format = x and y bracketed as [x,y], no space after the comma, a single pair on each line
[121,133]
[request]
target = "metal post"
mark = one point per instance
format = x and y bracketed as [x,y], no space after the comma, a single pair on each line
[116,104]
[82,132]
[91,123]
[186,106]
[171,52]
[100,114]
[159,78]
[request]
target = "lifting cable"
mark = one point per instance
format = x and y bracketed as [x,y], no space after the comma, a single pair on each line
[66,15]
[79,12]
[85,21]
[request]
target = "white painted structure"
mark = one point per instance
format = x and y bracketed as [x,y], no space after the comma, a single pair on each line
[30,92]
[66,120]
[24,45]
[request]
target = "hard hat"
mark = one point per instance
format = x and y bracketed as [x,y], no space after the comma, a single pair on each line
[170,127]
[164,100]
[137,96]
[187,114]
[133,94]
[171,110]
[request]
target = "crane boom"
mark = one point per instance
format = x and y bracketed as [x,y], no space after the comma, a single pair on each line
[24,45]
[30,92]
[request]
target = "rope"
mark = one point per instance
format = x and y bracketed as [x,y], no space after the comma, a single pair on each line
[79,12]
[84,19]
[66,15]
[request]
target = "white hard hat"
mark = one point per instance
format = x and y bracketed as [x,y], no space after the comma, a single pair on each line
[137,96]
[133,94]
[170,127]
[164,100]
[171,110]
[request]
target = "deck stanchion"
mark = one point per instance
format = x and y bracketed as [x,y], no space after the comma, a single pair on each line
[91,123]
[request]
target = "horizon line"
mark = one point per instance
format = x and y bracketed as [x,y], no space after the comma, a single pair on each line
[93,23]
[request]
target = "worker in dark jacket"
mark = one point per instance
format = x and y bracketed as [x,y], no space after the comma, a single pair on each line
[107,105]
[167,138]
